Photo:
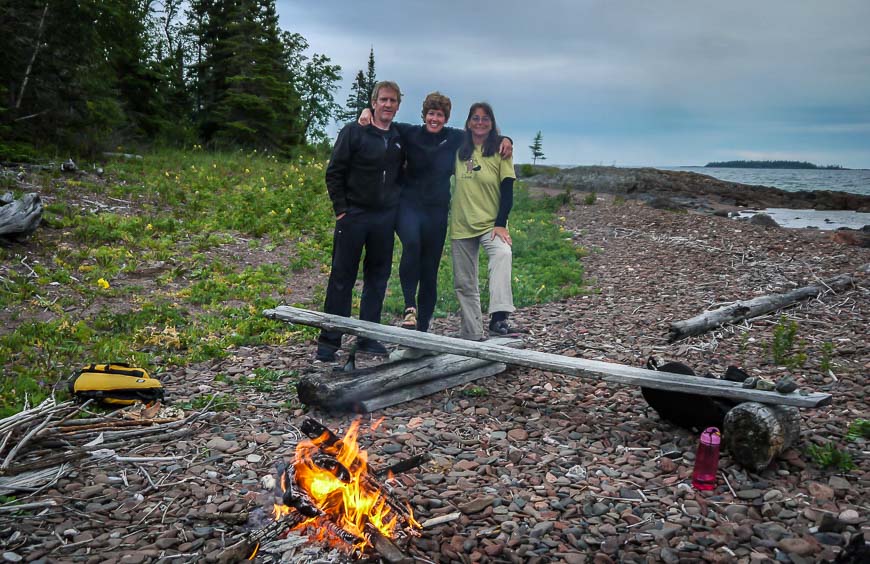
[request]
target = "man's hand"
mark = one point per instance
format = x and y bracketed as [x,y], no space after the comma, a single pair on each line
[506,149]
[365,118]
[502,233]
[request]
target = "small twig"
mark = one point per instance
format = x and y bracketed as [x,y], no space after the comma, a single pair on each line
[727,483]
[32,505]
[33,432]
[150,511]
[163,517]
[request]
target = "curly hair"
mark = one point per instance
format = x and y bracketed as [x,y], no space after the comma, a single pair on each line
[437,101]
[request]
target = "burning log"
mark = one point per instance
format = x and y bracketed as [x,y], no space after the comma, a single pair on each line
[374,388]
[329,490]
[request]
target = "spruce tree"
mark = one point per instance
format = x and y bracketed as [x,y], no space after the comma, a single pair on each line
[247,94]
[360,92]
[537,152]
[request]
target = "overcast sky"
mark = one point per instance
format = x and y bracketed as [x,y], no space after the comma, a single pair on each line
[645,82]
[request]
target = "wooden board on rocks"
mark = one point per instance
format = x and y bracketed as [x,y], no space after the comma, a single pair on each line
[607,371]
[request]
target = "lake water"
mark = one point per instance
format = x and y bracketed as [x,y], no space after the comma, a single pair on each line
[856,181]
[793,180]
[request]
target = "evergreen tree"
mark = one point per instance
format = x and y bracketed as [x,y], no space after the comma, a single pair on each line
[246,92]
[316,81]
[537,152]
[360,92]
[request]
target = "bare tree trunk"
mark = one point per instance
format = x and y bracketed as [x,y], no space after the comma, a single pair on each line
[33,58]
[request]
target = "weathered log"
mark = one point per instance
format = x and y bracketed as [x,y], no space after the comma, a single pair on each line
[409,393]
[747,309]
[21,217]
[341,391]
[755,434]
[606,371]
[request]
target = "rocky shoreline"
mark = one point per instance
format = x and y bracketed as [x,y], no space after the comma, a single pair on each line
[542,467]
[690,189]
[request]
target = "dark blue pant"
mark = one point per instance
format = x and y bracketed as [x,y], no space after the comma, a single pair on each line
[422,231]
[358,229]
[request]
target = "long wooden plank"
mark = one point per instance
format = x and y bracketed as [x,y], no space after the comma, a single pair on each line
[607,371]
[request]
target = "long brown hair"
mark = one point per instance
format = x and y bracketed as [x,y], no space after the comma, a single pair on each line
[490,144]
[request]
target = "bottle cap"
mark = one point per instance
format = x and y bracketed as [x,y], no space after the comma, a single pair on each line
[711,436]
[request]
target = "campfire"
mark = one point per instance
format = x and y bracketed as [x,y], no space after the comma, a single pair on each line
[330,492]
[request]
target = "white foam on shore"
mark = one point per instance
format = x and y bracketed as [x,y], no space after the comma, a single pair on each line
[821,219]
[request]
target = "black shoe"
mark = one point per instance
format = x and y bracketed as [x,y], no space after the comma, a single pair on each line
[502,329]
[370,346]
[325,352]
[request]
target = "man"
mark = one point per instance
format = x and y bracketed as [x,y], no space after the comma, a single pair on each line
[362,181]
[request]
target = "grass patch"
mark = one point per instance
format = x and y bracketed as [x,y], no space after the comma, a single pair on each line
[829,456]
[152,279]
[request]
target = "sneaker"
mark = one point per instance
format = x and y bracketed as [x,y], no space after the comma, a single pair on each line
[502,329]
[410,320]
[325,353]
[370,346]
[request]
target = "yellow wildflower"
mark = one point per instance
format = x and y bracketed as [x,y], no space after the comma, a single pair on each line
[103,283]
[149,227]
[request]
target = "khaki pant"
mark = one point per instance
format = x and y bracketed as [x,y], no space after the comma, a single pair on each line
[465,273]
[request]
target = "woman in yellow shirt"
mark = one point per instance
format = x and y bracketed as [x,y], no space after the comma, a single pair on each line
[479,211]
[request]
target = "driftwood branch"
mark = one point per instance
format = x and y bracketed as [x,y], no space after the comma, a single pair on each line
[747,309]
[22,216]
[606,371]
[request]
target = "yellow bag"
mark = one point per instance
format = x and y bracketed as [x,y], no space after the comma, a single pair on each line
[115,384]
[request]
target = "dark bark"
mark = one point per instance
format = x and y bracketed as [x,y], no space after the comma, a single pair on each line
[755,434]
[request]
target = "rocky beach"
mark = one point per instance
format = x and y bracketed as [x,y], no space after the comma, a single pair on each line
[541,467]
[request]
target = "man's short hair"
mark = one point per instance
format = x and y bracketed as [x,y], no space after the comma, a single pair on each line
[386,84]
[437,101]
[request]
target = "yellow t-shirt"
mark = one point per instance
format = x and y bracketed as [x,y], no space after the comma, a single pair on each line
[477,193]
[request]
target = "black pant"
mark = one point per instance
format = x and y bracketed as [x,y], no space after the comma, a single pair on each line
[358,229]
[422,230]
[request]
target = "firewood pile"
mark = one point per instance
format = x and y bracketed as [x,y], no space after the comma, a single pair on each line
[330,494]
[39,445]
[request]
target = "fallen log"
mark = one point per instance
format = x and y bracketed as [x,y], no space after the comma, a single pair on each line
[747,309]
[606,371]
[343,391]
[755,434]
[409,393]
[21,217]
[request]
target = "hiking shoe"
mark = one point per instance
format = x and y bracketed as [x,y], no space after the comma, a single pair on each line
[410,320]
[370,346]
[502,329]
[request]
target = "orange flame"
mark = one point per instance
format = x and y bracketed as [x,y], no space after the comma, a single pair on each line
[350,504]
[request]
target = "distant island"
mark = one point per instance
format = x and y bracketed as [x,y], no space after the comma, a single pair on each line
[772,164]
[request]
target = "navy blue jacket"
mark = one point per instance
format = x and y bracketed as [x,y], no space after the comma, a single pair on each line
[431,160]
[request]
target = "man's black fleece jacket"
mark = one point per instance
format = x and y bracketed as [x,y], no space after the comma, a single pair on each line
[364,169]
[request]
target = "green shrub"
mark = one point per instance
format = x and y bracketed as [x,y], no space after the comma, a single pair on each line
[829,456]
[590,199]
[784,345]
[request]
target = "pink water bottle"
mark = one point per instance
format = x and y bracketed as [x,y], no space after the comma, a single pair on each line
[707,460]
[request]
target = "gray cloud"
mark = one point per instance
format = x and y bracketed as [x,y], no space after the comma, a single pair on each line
[666,82]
